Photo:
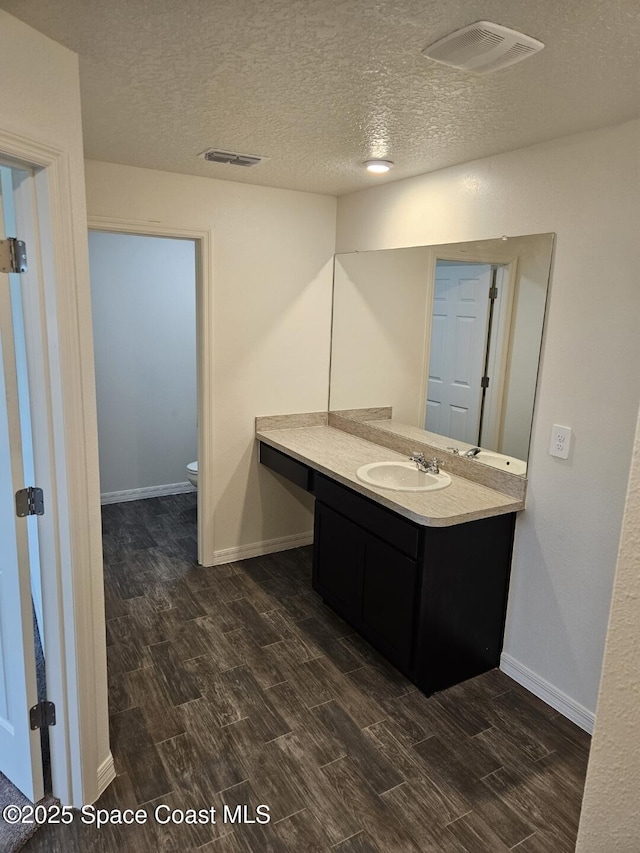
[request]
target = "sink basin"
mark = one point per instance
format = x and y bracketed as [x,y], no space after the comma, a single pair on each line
[505,463]
[401,477]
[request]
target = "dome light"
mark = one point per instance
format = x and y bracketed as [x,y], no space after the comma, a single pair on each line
[378,167]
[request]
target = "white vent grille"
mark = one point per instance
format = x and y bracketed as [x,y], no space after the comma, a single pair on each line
[482,47]
[231,158]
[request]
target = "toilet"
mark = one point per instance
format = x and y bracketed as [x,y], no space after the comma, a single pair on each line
[192,473]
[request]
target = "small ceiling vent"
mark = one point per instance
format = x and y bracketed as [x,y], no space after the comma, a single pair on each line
[482,47]
[232,158]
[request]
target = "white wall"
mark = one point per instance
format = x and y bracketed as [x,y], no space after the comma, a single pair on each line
[43,108]
[380,330]
[143,294]
[534,260]
[585,188]
[610,820]
[271,285]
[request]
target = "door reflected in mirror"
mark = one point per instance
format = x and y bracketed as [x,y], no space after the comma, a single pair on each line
[444,342]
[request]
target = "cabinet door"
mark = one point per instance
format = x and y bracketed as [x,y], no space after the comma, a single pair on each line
[389,599]
[337,556]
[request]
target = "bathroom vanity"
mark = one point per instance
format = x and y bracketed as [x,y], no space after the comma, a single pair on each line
[434,352]
[422,576]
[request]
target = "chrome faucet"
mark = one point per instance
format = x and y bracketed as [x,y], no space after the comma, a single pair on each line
[432,467]
[471,454]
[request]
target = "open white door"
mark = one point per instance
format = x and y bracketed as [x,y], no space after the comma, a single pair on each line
[20,750]
[458,346]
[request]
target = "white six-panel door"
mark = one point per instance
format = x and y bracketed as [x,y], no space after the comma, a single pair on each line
[457,352]
[20,751]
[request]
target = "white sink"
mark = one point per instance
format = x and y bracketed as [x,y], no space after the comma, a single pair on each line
[505,463]
[401,477]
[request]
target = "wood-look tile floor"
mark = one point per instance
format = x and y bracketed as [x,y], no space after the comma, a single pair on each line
[235,685]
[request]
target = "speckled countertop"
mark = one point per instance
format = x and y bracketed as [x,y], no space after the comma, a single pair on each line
[339,455]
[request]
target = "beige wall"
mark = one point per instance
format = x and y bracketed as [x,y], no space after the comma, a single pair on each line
[610,819]
[41,103]
[272,273]
[585,188]
[380,331]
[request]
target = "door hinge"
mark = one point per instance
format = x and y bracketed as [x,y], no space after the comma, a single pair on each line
[493,292]
[13,255]
[484,382]
[42,715]
[29,501]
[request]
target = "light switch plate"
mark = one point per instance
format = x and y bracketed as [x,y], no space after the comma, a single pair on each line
[560,441]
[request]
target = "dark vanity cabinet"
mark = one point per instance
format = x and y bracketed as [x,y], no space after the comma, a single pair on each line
[369,580]
[432,600]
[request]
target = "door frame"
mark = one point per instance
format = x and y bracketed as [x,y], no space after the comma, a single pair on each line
[62,396]
[203,239]
[22,762]
[502,327]
[500,353]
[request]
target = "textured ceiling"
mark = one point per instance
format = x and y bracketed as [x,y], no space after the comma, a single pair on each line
[319,86]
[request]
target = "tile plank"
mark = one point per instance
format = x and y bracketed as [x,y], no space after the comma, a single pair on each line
[160,716]
[177,682]
[475,835]
[251,701]
[266,766]
[303,831]
[367,809]
[372,764]
[324,799]
[319,681]
[360,843]
[412,801]
[251,836]
[148,777]
[445,769]
[321,638]
[260,631]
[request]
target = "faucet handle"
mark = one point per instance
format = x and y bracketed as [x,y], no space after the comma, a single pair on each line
[454,450]
[435,465]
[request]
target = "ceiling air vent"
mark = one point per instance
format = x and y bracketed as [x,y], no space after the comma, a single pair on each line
[482,47]
[232,158]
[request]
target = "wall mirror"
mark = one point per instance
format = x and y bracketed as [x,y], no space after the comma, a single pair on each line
[448,338]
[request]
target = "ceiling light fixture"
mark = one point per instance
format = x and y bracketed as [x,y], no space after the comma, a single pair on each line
[378,167]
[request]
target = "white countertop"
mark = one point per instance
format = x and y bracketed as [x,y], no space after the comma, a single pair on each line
[338,455]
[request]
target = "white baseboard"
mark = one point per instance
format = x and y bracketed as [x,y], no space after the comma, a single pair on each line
[106,774]
[258,549]
[147,492]
[544,690]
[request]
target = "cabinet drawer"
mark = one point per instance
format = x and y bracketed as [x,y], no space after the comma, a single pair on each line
[287,467]
[398,532]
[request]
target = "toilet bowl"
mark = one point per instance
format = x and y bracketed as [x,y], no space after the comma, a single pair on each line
[192,473]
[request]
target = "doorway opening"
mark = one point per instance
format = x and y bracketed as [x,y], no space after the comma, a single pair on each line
[154,419]
[144,327]
[144,305]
